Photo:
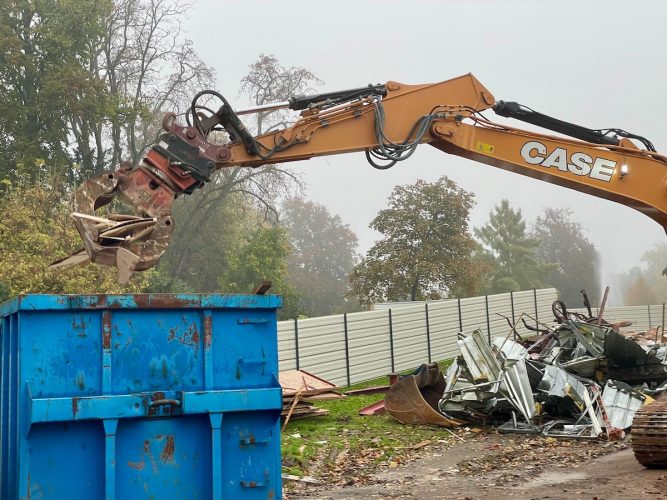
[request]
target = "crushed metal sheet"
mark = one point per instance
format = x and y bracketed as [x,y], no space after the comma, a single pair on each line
[564,429]
[621,403]
[451,376]
[515,426]
[516,387]
[583,366]
[592,415]
[586,335]
[556,382]
[479,359]
[510,349]
[625,352]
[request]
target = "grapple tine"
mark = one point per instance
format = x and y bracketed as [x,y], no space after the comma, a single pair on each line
[128,242]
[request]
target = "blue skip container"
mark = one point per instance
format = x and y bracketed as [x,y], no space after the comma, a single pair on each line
[139,396]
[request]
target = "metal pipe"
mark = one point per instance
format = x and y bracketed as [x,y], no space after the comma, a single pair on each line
[488,320]
[537,318]
[513,318]
[604,303]
[391,341]
[264,108]
[460,317]
[296,341]
[347,351]
[662,334]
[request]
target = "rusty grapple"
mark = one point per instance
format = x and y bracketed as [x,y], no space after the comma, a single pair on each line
[181,161]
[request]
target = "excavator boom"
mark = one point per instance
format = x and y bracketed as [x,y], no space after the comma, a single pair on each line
[388,122]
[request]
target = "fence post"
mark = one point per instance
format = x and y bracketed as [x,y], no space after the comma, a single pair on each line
[428,333]
[537,319]
[347,351]
[488,321]
[391,342]
[296,341]
[649,316]
[513,316]
[460,318]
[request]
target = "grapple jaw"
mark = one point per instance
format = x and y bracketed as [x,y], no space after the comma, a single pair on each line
[129,242]
[181,161]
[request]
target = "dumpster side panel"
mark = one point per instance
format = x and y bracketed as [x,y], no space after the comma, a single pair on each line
[164,458]
[66,460]
[156,350]
[61,353]
[245,349]
[252,441]
[142,396]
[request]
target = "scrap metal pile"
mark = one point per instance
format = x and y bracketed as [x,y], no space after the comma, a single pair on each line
[576,379]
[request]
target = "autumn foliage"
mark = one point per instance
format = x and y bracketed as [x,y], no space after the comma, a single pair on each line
[35,230]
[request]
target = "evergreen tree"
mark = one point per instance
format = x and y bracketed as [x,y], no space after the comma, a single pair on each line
[563,242]
[513,252]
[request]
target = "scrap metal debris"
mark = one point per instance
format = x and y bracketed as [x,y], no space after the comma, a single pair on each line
[377,408]
[577,378]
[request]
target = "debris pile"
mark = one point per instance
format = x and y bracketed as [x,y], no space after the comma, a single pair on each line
[580,378]
[300,389]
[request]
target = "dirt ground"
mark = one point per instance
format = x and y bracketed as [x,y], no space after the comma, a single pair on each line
[495,466]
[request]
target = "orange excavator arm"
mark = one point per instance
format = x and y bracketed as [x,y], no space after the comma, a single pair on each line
[386,121]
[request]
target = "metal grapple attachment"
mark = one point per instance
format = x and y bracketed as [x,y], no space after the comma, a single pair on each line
[128,242]
[180,162]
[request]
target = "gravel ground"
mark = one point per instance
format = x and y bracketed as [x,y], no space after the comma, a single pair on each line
[495,466]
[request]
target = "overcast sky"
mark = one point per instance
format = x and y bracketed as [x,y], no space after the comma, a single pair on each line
[595,63]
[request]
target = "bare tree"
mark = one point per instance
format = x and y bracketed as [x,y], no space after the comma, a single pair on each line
[267,81]
[147,67]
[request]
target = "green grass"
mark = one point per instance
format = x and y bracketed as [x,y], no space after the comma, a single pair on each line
[319,440]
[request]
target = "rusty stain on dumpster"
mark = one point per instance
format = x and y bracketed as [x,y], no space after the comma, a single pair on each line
[140,465]
[167,455]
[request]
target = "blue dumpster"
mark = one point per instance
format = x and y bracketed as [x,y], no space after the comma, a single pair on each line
[139,396]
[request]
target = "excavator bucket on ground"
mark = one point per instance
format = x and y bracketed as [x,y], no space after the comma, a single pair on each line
[414,398]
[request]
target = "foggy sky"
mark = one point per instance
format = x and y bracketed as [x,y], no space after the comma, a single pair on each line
[597,63]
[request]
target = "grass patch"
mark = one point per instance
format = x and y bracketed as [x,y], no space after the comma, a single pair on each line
[321,441]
